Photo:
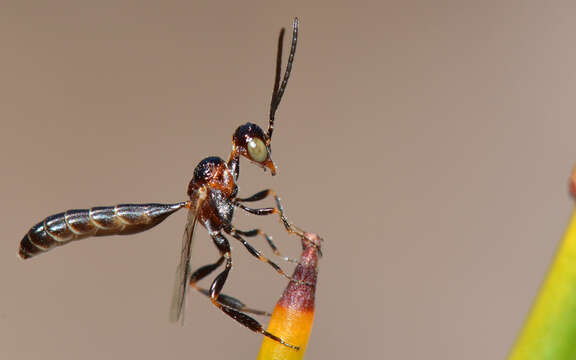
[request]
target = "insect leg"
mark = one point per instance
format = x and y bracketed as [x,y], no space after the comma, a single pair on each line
[224,299]
[279,209]
[204,271]
[257,232]
[258,196]
[224,247]
[257,254]
[234,303]
[259,211]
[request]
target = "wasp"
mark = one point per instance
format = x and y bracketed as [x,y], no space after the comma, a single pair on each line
[213,198]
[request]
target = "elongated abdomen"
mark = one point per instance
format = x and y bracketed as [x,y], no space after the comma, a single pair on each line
[123,219]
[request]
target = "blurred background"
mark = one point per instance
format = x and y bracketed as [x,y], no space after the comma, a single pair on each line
[429,143]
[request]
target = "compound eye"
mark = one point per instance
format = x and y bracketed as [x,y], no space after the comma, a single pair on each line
[257,150]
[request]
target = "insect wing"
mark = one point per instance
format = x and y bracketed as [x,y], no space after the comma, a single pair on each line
[183,270]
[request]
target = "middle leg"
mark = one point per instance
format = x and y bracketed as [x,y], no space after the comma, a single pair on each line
[279,209]
[257,254]
[258,232]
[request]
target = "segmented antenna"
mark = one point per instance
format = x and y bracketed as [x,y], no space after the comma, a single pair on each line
[278,90]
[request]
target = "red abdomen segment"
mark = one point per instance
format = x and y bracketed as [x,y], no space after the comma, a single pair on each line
[123,219]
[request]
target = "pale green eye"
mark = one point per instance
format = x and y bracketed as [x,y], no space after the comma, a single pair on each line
[257,150]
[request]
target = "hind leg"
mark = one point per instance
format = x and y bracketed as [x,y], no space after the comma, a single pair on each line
[216,288]
[223,299]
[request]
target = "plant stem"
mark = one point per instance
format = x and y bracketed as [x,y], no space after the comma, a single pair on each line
[549,332]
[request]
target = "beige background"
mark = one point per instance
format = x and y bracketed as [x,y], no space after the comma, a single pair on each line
[429,143]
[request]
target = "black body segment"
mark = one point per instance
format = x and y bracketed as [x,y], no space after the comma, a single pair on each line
[123,219]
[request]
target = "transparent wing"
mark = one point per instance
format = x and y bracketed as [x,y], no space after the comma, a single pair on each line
[183,270]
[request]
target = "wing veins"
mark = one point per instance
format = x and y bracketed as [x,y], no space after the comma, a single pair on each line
[183,270]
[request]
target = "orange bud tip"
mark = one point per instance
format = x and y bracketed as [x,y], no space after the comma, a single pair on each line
[293,315]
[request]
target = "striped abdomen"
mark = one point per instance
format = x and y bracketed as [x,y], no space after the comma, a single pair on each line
[124,219]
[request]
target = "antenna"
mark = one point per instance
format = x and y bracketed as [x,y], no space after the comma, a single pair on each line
[278,90]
